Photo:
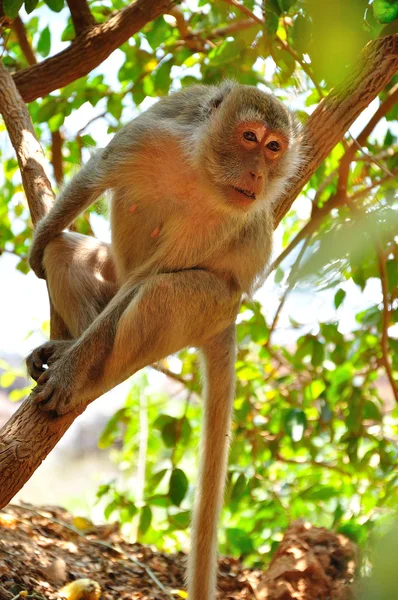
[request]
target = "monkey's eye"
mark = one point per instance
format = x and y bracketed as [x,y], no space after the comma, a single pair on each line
[274,146]
[250,136]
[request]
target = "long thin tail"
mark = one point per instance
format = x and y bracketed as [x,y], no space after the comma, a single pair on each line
[219,358]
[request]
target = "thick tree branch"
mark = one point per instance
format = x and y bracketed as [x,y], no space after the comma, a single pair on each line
[29,153]
[87,50]
[30,434]
[82,18]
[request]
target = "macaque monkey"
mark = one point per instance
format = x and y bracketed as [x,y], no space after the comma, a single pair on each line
[193,180]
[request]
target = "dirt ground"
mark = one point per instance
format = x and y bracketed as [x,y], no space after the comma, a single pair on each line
[43,556]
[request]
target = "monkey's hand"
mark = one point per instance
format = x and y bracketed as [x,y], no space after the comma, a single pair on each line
[46,354]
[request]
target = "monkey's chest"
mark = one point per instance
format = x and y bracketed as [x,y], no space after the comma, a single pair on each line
[156,237]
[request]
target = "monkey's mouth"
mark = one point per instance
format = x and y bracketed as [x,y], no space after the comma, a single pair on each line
[246,193]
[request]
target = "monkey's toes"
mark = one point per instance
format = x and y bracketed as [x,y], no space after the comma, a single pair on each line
[51,398]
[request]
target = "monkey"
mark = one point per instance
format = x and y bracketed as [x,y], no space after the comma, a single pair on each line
[193,182]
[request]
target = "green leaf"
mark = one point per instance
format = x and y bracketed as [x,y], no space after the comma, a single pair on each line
[178,486]
[226,52]
[339,297]
[11,7]
[279,275]
[385,11]
[55,5]
[181,519]
[162,78]
[110,508]
[239,487]
[371,411]
[295,423]
[301,34]
[158,33]
[318,354]
[314,390]
[44,43]
[145,519]
[68,33]
[157,478]
[30,5]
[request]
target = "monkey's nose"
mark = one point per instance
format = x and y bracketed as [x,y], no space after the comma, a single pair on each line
[256,175]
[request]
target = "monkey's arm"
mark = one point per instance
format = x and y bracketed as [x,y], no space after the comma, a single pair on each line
[141,325]
[78,194]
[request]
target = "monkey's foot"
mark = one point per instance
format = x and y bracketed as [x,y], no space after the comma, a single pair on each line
[46,354]
[55,391]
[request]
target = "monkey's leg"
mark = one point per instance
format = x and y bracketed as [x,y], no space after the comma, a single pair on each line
[81,281]
[141,325]
[81,278]
[219,359]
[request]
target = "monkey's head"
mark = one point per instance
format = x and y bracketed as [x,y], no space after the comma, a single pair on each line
[250,146]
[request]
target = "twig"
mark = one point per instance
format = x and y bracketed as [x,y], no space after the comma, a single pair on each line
[385,321]
[291,283]
[313,463]
[165,371]
[116,549]
[282,43]
[245,10]
[319,213]
[344,168]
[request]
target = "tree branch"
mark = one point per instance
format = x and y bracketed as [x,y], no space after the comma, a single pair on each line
[87,50]
[29,153]
[82,18]
[56,156]
[23,41]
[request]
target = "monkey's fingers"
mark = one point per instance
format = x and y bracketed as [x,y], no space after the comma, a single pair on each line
[35,364]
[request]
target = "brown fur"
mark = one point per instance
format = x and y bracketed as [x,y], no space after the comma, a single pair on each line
[191,230]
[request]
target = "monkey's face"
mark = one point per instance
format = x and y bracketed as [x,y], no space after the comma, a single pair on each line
[251,150]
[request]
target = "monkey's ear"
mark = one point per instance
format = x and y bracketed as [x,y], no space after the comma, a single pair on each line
[216,100]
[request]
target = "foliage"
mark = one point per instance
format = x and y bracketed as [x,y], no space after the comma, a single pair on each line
[315,426]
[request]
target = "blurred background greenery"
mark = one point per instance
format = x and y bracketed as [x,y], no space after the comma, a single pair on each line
[316,417]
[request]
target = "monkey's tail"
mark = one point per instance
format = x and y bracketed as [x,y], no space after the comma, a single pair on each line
[219,359]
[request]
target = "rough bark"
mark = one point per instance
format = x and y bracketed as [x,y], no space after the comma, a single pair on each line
[87,50]
[29,153]
[30,434]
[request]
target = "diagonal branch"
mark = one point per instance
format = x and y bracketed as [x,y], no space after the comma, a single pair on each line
[87,50]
